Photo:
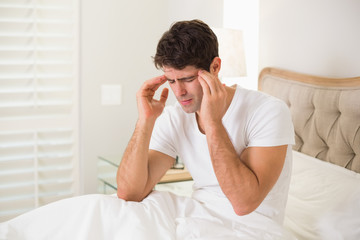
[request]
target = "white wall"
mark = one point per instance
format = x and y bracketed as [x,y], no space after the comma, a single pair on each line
[319,37]
[244,15]
[209,11]
[118,39]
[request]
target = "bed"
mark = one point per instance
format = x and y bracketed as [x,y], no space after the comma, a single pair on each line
[324,196]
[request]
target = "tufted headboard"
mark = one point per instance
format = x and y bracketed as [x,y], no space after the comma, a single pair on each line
[325,113]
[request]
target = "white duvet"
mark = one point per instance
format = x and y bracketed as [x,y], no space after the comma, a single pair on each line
[162,215]
[324,200]
[323,203]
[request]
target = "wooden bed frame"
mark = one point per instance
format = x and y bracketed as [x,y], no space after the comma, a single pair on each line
[310,79]
[325,112]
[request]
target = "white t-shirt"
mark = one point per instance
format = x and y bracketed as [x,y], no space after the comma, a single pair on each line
[252,119]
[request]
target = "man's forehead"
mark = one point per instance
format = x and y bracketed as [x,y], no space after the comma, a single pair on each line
[185,72]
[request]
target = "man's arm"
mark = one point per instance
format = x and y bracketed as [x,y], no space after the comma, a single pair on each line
[244,179]
[141,169]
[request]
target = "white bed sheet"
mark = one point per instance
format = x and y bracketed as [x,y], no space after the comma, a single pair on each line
[324,203]
[161,215]
[324,200]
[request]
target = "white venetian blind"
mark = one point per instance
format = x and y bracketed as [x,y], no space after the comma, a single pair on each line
[39,160]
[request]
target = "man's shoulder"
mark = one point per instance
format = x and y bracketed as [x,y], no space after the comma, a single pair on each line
[251,100]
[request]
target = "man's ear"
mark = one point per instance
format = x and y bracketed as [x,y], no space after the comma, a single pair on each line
[215,66]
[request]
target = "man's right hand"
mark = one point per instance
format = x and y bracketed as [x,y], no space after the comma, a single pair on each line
[148,107]
[140,169]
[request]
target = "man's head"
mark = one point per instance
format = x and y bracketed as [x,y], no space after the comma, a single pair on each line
[187,43]
[189,46]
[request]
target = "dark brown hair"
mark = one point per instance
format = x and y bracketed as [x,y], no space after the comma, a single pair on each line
[187,43]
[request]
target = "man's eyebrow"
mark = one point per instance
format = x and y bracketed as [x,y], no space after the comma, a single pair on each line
[182,79]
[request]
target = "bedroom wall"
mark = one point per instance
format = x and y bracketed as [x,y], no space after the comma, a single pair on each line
[244,15]
[118,39]
[117,42]
[316,37]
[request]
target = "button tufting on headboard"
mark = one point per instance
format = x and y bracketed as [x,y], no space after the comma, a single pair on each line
[326,116]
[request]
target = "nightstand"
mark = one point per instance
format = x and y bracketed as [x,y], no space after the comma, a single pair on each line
[108,165]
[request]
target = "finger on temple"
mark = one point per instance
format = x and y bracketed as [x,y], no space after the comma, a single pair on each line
[164,95]
[212,81]
[154,83]
[204,85]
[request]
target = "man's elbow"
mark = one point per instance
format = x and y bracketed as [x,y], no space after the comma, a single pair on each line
[125,195]
[242,210]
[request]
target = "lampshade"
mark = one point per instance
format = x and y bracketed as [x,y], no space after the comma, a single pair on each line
[231,52]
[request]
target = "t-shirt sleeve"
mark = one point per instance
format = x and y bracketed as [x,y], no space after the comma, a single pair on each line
[162,139]
[271,125]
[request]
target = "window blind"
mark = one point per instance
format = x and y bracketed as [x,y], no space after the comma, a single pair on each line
[39,157]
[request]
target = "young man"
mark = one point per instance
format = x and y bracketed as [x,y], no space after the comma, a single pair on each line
[236,143]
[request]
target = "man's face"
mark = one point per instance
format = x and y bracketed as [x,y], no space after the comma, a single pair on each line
[186,87]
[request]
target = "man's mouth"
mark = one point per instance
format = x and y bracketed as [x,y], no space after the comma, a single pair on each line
[185,102]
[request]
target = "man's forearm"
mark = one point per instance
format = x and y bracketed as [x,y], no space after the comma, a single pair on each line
[132,173]
[236,180]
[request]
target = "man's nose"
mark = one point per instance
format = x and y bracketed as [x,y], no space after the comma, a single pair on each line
[180,89]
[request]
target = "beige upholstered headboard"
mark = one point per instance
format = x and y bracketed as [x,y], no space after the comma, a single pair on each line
[325,112]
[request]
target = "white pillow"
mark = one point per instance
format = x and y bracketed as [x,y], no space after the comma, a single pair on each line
[343,222]
[321,195]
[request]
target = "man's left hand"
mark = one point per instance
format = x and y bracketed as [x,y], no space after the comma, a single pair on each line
[213,105]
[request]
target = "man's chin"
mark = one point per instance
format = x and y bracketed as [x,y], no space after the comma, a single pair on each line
[188,109]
